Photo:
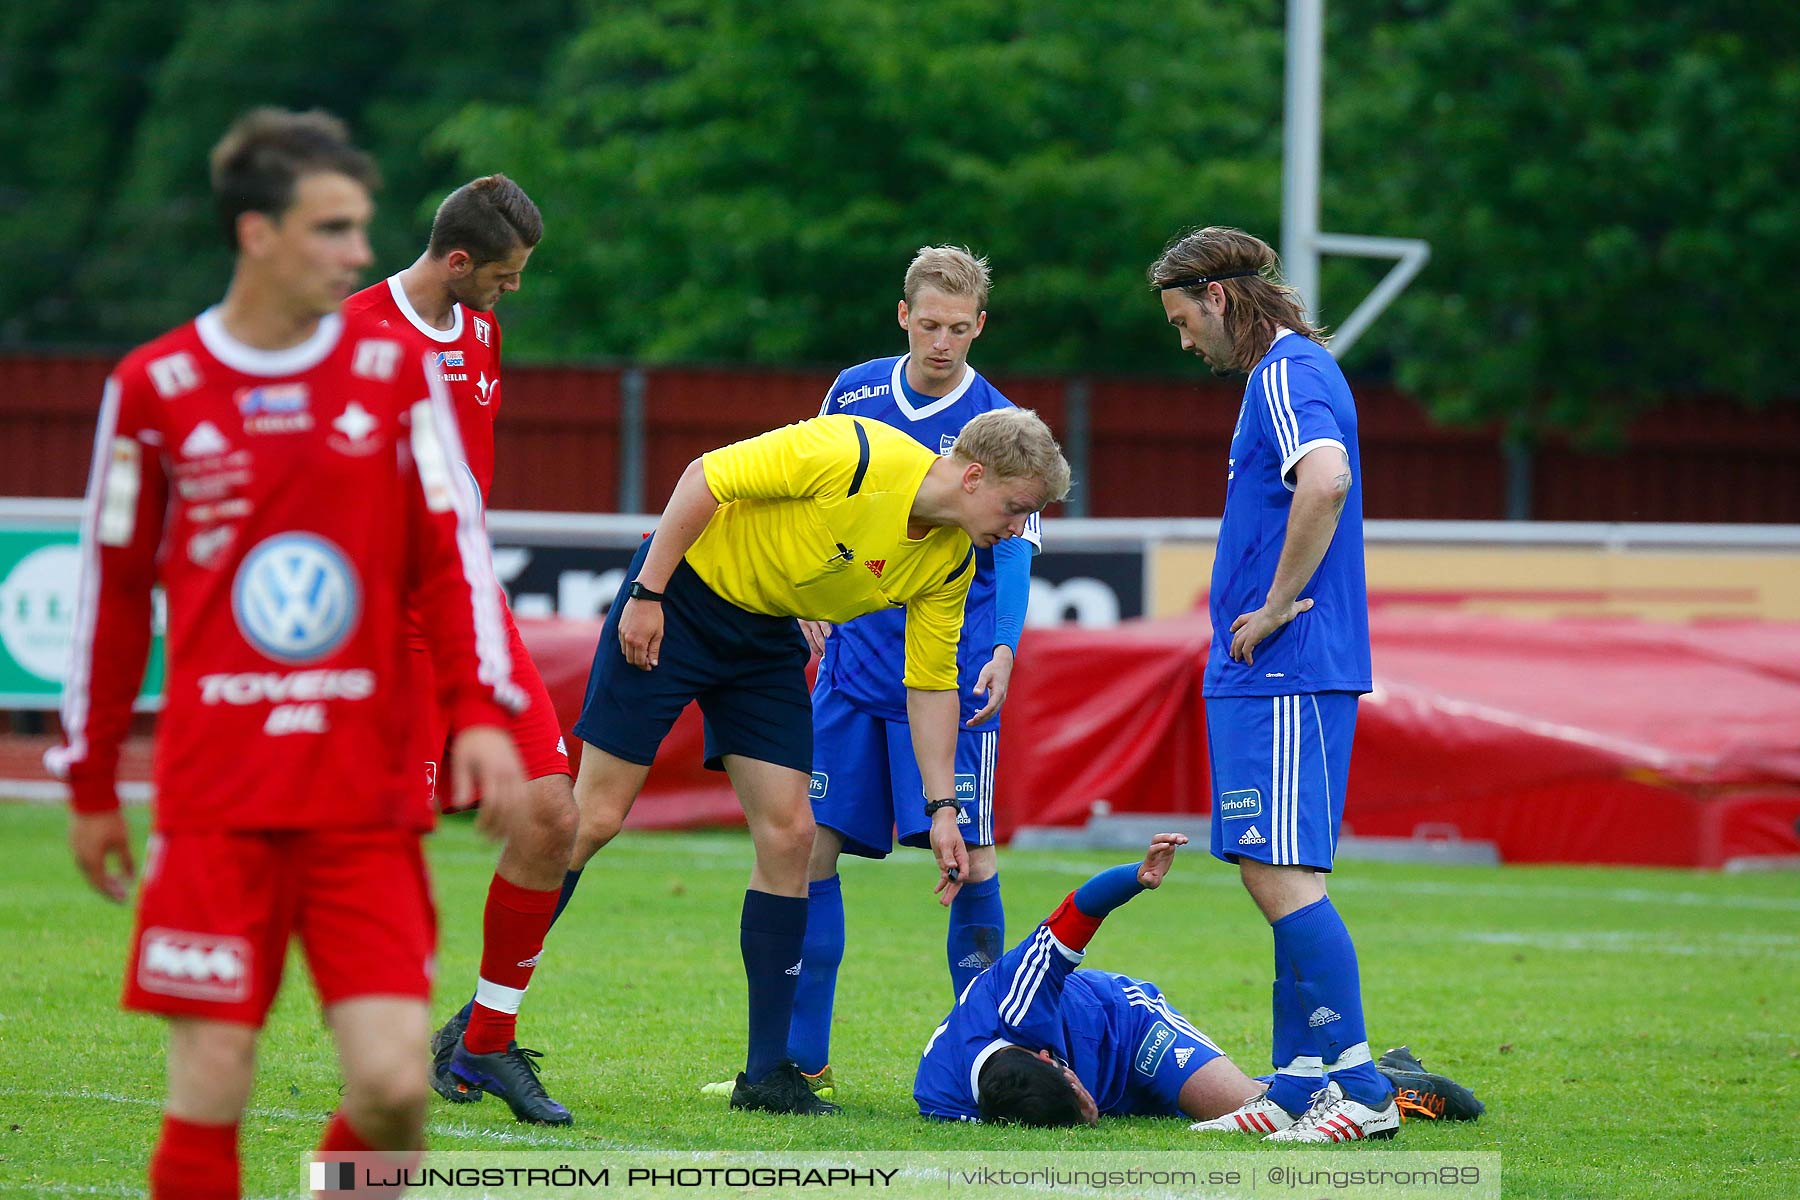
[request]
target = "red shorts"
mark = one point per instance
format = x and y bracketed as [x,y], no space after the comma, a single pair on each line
[217,911]
[536,732]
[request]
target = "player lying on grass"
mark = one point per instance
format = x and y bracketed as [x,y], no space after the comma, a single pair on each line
[1033,1041]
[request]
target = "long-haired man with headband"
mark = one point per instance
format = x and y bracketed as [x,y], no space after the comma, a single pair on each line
[1289,660]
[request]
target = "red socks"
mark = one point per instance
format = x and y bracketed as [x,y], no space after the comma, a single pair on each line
[512,936]
[340,1138]
[194,1162]
[1072,927]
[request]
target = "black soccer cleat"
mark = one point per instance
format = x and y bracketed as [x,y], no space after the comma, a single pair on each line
[512,1075]
[443,1044]
[783,1090]
[1426,1095]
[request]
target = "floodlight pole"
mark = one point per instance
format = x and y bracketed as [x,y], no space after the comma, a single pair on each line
[1301,241]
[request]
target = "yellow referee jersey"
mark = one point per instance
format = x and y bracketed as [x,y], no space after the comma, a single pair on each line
[812,524]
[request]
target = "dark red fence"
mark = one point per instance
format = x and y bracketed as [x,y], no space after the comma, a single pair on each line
[1153,447]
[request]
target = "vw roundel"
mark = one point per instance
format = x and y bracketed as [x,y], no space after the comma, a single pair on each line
[296,598]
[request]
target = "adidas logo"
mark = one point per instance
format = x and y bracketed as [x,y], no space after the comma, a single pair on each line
[1252,838]
[532,961]
[1182,1055]
[1322,1016]
[876,565]
[204,442]
[975,960]
[795,969]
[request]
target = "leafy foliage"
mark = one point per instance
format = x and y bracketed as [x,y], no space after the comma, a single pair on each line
[1610,200]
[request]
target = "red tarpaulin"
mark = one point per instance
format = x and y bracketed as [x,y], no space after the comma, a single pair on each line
[1565,741]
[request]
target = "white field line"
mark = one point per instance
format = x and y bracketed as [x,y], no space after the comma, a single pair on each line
[1620,941]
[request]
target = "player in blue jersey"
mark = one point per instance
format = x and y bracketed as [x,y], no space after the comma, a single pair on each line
[1033,1041]
[1289,660]
[865,783]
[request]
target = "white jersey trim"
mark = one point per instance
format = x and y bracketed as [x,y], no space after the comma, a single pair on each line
[987,1052]
[1302,450]
[896,382]
[78,684]
[252,361]
[492,649]
[405,304]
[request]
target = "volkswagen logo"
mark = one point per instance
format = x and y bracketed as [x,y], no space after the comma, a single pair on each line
[296,597]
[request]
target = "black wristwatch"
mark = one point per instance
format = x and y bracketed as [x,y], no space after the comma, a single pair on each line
[638,591]
[931,807]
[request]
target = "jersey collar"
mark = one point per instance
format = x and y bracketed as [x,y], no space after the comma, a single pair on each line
[404,303]
[987,1052]
[935,404]
[251,361]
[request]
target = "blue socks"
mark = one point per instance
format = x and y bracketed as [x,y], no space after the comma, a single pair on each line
[977,936]
[570,879]
[1299,1071]
[1313,943]
[809,1034]
[772,937]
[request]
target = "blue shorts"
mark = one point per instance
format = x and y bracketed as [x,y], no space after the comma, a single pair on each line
[1279,766]
[1166,1049]
[866,784]
[747,670]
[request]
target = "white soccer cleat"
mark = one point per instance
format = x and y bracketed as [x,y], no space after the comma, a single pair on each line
[1335,1117]
[1259,1116]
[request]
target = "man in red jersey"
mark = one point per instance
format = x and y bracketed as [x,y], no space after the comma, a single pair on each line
[286,474]
[481,237]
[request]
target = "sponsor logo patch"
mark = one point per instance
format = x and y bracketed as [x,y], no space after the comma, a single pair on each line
[296,598]
[867,391]
[173,375]
[276,408]
[1239,805]
[376,358]
[1150,1051]
[355,427]
[819,786]
[199,966]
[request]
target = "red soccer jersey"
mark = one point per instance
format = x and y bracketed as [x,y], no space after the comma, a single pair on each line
[467,354]
[293,506]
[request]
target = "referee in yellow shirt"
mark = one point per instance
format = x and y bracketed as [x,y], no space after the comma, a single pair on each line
[824,520]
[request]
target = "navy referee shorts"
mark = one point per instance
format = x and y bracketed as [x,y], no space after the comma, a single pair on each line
[747,670]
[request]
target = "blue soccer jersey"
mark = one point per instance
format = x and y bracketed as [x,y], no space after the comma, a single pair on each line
[865,659]
[1296,401]
[1127,1045]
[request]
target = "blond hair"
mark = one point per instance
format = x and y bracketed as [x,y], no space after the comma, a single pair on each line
[1257,302]
[952,270]
[1014,443]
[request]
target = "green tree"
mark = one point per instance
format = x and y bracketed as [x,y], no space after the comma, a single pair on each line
[114,104]
[1609,195]
[748,181]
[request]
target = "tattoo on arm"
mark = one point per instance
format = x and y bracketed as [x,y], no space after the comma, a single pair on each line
[1342,482]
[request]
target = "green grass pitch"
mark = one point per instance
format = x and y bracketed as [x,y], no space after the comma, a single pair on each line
[1634,1033]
